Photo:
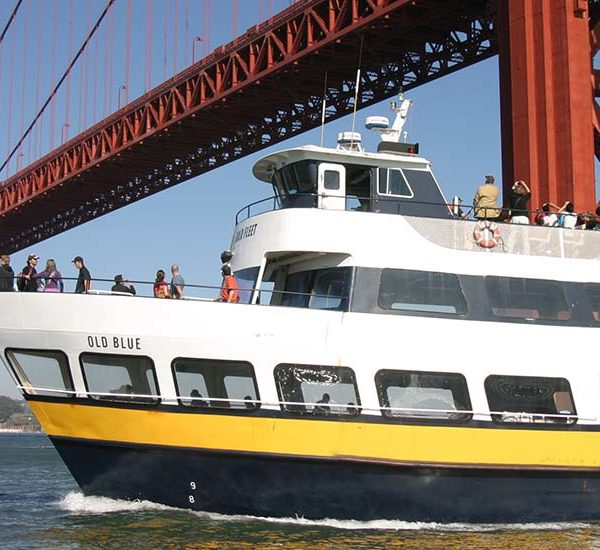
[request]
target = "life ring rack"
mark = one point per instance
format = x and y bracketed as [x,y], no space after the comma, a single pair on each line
[487,234]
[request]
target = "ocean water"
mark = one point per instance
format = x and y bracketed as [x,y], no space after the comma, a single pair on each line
[41,507]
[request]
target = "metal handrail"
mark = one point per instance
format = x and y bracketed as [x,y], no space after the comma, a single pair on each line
[285,404]
[100,292]
[468,210]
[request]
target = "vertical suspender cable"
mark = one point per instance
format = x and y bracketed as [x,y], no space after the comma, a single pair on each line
[165,31]
[111,53]
[127,51]
[53,72]
[67,117]
[10,94]
[176,37]
[148,79]
[37,150]
[95,86]
[204,27]
[86,67]
[186,37]
[107,40]
[23,77]
[235,19]
[165,27]
[60,82]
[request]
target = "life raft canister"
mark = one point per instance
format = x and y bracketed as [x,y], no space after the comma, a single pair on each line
[486,234]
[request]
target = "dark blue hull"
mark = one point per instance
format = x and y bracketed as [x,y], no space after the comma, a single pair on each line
[277,486]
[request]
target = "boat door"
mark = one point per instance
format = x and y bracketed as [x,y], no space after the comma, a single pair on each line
[331,186]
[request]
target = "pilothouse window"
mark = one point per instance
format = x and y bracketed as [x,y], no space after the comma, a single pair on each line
[421,291]
[530,399]
[299,177]
[216,383]
[317,390]
[128,378]
[41,372]
[429,395]
[392,182]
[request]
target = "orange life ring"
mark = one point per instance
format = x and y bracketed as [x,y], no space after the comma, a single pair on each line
[486,234]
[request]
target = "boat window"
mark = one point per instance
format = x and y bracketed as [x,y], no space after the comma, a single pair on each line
[129,378]
[317,390]
[529,299]
[428,395]
[299,177]
[391,181]
[420,179]
[406,290]
[530,399]
[41,372]
[331,180]
[327,288]
[593,293]
[246,279]
[216,383]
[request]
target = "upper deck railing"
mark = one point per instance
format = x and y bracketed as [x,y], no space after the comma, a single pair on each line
[458,232]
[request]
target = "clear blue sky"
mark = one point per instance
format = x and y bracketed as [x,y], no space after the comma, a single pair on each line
[456,120]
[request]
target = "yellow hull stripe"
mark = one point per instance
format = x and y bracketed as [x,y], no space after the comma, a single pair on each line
[315,438]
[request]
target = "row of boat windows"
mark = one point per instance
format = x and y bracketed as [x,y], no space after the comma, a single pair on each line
[310,390]
[434,293]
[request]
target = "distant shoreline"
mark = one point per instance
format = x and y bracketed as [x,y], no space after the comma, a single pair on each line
[11,431]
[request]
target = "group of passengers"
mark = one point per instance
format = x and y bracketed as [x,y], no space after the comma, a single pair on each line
[50,280]
[485,207]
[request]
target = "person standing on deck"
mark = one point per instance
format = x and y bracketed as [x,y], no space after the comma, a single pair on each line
[84,280]
[485,201]
[52,278]
[27,281]
[7,275]
[229,287]
[177,282]
[518,197]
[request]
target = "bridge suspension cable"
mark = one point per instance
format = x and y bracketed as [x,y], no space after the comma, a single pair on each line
[10,20]
[60,82]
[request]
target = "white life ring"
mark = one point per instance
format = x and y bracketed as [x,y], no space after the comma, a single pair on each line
[486,234]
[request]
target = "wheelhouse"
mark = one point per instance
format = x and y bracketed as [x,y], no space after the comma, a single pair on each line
[392,181]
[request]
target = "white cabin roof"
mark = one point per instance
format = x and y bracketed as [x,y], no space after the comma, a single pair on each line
[264,168]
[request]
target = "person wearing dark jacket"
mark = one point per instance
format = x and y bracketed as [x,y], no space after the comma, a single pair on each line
[27,281]
[121,285]
[7,275]
[518,198]
[84,280]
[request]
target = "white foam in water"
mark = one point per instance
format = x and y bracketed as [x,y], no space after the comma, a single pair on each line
[78,503]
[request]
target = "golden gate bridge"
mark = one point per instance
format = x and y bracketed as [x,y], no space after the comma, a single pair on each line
[267,85]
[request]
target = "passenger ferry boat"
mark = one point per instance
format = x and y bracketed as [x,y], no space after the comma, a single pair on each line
[381,363]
